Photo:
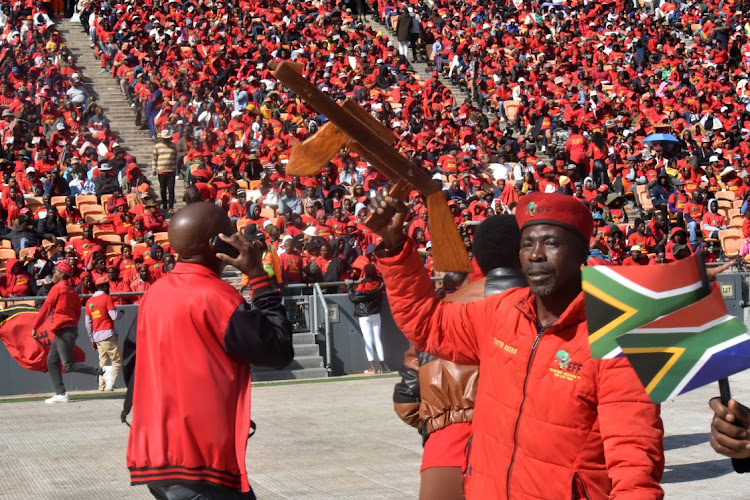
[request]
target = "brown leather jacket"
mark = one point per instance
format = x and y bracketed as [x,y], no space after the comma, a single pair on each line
[434,393]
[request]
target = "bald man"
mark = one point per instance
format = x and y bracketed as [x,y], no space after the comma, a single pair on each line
[188,373]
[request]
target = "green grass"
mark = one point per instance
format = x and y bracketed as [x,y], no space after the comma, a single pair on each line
[119,394]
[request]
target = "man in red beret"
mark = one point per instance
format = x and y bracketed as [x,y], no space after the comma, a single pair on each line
[544,407]
[64,305]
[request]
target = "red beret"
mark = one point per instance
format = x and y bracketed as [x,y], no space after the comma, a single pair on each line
[101,281]
[555,209]
[64,268]
[548,170]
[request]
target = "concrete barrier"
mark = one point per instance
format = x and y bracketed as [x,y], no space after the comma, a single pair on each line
[16,380]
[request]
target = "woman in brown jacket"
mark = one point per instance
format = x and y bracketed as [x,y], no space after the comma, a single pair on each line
[437,396]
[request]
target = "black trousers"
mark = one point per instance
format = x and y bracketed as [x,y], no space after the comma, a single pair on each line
[166,183]
[198,491]
[62,350]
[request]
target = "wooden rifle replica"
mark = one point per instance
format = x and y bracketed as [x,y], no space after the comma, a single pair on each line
[352,127]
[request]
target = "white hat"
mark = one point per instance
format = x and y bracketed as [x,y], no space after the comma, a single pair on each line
[105,166]
[713,159]
[61,126]
[30,170]
[727,171]
[165,134]
[75,77]
[286,238]
[396,124]
[358,208]
[311,231]
[636,248]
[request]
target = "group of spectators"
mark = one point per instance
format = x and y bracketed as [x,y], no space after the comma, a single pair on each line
[56,144]
[554,97]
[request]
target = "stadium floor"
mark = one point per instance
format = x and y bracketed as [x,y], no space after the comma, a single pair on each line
[333,440]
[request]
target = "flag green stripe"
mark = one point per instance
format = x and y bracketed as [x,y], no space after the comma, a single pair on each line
[647,308]
[695,344]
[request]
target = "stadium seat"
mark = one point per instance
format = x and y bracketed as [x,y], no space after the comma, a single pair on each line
[644,198]
[113,239]
[736,221]
[74,230]
[6,244]
[733,212]
[114,250]
[726,195]
[91,210]
[242,184]
[58,201]
[105,199]
[161,237]
[511,109]
[268,213]
[24,252]
[737,204]
[33,202]
[86,199]
[7,253]
[242,224]
[730,243]
[725,204]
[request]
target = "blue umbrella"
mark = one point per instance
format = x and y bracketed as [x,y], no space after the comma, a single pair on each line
[660,139]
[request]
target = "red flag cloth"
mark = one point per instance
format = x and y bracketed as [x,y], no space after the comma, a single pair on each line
[15,332]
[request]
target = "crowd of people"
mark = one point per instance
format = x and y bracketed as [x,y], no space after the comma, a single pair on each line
[554,98]
[56,148]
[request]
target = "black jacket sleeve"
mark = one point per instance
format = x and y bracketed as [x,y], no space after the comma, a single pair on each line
[128,370]
[261,334]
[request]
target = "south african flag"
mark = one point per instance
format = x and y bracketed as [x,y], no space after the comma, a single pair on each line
[619,299]
[687,349]
[673,328]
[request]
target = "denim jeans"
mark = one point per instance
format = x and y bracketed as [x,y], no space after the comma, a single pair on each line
[62,350]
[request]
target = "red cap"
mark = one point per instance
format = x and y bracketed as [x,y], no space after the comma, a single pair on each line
[555,209]
[101,281]
[548,170]
[121,202]
[64,268]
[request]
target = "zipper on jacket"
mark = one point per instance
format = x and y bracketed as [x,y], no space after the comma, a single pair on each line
[520,410]
[577,479]
[467,454]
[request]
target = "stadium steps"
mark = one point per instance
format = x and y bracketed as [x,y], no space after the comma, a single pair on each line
[106,91]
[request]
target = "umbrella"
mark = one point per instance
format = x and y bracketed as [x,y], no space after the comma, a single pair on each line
[662,139]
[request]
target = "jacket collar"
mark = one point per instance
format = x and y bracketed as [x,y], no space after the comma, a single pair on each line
[188,268]
[574,313]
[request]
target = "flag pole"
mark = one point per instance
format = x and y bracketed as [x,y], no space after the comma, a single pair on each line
[724,391]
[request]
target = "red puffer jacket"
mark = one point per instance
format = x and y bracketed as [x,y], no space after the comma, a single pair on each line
[550,421]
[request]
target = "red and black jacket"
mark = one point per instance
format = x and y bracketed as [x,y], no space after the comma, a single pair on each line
[188,375]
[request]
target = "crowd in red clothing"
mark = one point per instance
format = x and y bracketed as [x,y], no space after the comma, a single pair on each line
[558,97]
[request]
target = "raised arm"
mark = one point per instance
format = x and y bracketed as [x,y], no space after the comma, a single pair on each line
[445,330]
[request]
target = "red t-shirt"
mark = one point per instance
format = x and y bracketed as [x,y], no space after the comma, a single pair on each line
[97,308]
[291,266]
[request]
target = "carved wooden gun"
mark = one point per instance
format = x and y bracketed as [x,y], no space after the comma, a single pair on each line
[351,126]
